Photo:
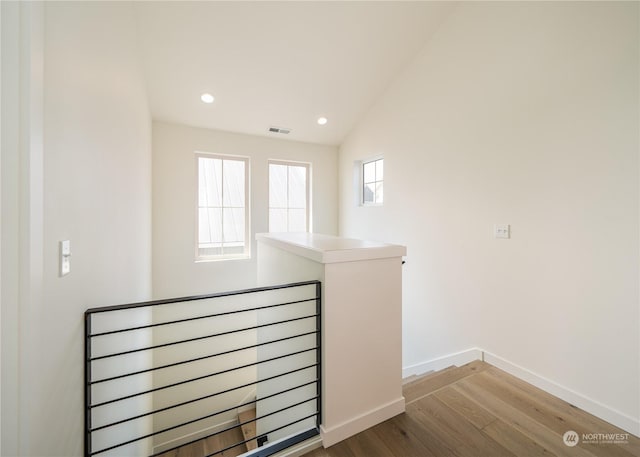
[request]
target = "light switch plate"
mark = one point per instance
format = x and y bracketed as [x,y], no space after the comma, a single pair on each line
[65,257]
[502,231]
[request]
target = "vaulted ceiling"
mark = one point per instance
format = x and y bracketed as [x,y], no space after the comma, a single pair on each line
[282,64]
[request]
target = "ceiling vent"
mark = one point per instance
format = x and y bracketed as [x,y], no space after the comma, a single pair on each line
[282,130]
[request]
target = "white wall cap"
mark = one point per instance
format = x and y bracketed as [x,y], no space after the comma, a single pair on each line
[331,249]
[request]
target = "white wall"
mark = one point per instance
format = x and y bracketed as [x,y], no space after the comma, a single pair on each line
[95,190]
[524,114]
[22,41]
[175,272]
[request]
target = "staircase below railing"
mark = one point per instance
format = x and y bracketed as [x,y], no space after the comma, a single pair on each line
[165,374]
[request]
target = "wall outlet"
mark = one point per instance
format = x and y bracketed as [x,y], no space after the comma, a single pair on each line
[502,231]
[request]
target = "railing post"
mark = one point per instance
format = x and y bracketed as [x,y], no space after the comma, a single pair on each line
[87,384]
[319,353]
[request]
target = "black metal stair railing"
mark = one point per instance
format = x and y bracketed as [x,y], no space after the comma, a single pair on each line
[168,373]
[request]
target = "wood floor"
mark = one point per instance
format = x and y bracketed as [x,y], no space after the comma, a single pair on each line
[477,410]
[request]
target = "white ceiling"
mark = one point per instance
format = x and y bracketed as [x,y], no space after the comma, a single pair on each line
[278,64]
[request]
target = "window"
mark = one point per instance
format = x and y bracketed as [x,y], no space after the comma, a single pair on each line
[223,210]
[372,180]
[289,196]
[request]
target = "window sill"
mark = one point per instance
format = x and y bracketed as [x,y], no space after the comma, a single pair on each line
[221,259]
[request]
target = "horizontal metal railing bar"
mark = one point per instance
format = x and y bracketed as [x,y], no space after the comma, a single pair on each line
[202,377]
[207,316]
[182,362]
[239,424]
[140,416]
[149,435]
[314,431]
[190,340]
[105,309]
[246,441]
[204,397]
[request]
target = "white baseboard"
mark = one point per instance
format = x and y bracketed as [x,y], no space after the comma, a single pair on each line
[457,359]
[606,413]
[194,436]
[360,423]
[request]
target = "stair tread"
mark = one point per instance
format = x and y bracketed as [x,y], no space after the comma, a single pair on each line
[248,429]
[439,379]
[427,376]
[416,377]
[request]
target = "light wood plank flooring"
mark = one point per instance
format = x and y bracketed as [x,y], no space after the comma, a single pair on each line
[477,410]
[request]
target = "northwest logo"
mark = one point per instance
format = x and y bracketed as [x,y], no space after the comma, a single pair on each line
[571,438]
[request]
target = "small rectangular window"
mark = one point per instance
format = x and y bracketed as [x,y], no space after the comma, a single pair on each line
[289,206]
[223,208]
[372,180]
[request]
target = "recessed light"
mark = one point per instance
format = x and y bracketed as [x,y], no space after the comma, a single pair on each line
[207,98]
[322,120]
